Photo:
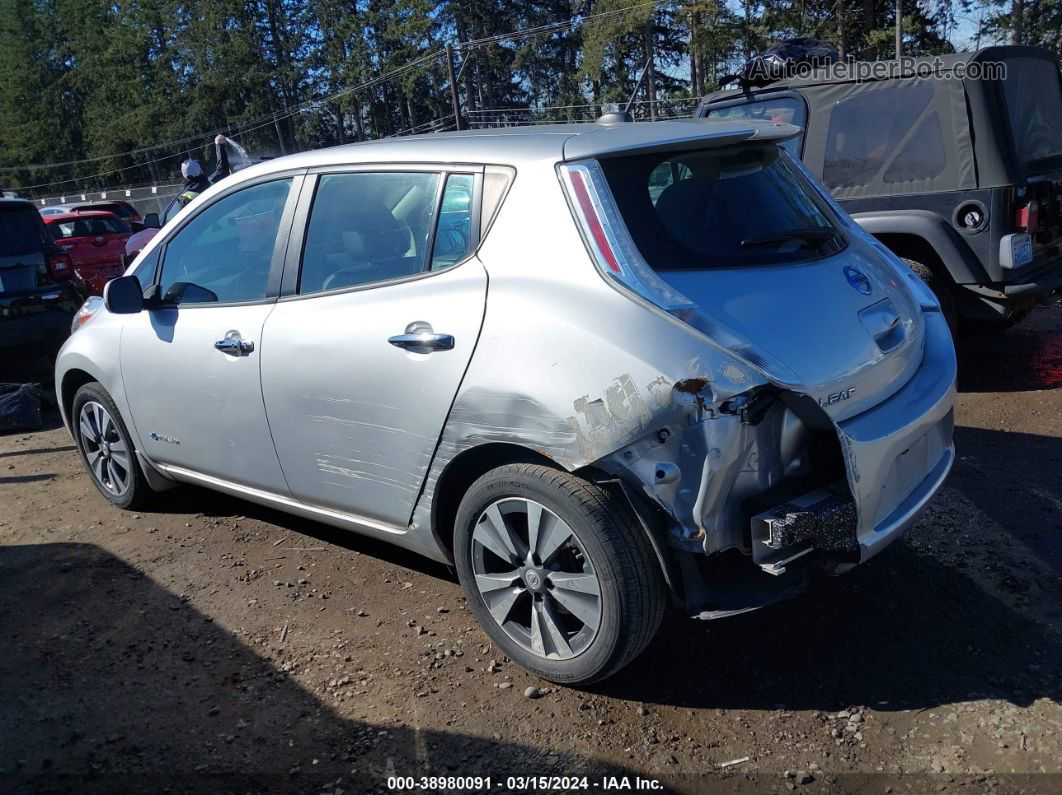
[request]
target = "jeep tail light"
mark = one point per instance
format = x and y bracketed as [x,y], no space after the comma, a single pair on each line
[619,261]
[60,265]
[1027,217]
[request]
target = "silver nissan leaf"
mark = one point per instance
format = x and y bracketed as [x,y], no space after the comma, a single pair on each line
[599,368]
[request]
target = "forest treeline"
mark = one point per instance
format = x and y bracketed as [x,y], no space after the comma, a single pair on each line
[97,93]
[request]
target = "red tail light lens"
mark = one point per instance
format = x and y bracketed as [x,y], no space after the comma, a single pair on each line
[60,265]
[592,221]
[1028,217]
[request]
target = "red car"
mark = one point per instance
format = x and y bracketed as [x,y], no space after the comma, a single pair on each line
[95,242]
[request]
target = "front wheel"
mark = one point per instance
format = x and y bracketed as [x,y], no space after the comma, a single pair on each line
[557,572]
[106,447]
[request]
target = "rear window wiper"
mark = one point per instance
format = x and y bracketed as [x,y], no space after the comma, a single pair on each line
[811,233]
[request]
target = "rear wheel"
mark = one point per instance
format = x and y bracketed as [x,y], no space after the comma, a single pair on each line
[557,572]
[106,447]
[942,289]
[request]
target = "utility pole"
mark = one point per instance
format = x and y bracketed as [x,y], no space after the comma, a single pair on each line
[899,28]
[454,100]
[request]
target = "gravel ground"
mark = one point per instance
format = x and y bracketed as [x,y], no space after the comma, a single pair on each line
[213,645]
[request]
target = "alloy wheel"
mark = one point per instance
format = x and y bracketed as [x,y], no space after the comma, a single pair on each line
[535,578]
[105,451]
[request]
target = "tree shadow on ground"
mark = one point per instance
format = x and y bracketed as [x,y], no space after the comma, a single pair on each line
[902,632]
[112,683]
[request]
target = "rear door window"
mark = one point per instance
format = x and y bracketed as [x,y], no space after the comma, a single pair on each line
[725,207]
[369,227]
[866,130]
[782,110]
[453,236]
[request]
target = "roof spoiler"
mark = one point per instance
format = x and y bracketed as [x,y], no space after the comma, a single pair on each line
[671,136]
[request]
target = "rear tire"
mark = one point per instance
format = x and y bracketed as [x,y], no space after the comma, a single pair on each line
[942,289]
[107,448]
[577,602]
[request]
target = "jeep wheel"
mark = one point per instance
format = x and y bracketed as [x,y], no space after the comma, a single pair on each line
[942,290]
[557,572]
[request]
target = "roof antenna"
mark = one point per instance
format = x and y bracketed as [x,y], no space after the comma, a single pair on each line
[619,116]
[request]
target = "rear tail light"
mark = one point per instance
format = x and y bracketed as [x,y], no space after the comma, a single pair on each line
[60,265]
[618,260]
[1027,217]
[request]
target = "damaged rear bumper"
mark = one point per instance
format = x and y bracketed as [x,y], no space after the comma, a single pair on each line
[899,453]
[714,479]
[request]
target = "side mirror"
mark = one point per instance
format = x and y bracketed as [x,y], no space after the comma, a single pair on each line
[151,221]
[123,296]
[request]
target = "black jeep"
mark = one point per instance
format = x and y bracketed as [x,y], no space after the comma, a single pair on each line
[953,162]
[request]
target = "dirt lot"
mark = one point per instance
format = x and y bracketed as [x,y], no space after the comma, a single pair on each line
[212,645]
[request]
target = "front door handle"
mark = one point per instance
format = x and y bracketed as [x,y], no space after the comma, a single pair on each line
[420,338]
[234,345]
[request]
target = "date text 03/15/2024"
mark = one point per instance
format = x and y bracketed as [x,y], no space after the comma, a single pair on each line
[522,783]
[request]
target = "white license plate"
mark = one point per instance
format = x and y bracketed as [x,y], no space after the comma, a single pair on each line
[1021,250]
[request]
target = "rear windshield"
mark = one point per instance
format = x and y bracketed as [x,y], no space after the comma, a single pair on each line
[1034,109]
[21,229]
[723,207]
[87,227]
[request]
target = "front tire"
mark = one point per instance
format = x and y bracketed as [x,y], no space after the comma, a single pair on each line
[107,448]
[557,572]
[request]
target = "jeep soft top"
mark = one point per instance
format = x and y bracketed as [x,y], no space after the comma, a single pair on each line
[953,161]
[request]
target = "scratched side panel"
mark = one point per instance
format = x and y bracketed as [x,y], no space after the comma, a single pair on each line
[355,420]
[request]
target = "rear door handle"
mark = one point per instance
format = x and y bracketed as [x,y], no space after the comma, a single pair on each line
[413,342]
[234,345]
[420,338]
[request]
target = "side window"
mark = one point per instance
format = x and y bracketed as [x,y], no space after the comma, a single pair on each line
[865,130]
[922,157]
[367,227]
[783,110]
[224,253]
[453,236]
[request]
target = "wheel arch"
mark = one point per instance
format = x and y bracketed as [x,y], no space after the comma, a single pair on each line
[471,464]
[462,471]
[925,237]
[72,380]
